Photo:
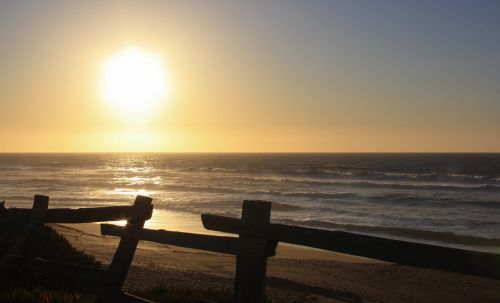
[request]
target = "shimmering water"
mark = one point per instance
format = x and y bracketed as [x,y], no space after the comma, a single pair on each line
[427,196]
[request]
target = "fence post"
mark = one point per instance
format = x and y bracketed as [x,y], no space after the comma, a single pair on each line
[40,205]
[128,243]
[250,278]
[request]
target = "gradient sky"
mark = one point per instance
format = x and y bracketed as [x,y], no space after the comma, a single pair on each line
[258,76]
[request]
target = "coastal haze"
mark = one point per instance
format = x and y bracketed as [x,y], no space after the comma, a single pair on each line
[452,199]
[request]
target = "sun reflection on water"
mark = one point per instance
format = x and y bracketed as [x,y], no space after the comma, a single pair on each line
[131,192]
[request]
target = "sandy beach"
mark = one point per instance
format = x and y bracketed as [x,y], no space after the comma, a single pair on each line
[327,276]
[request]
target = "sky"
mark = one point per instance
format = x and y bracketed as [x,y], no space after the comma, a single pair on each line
[255,76]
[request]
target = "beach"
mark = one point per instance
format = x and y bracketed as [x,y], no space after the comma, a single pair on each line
[326,276]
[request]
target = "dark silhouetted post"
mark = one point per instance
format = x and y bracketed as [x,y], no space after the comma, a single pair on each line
[128,243]
[40,205]
[250,280]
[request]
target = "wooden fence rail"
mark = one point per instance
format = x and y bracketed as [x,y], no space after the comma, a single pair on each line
[225,245]
[457,260]
[80,215]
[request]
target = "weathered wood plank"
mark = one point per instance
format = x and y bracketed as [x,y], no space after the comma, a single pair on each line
[462,261]
[219,244]
[128,243]
[77,215]
[250,276]
[225,224]
[225,245]
[85,215]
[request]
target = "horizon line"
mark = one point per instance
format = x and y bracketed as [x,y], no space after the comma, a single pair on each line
[251,152]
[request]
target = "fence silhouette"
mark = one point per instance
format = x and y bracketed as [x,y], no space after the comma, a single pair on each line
[105,284]
[256,242]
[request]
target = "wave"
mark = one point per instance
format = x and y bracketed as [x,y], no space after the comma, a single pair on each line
[366,173]
[16,198]
[242,191]
[353,172]
[487,187]
[411,186]
[445,202]
[327,171]
[285,207]
[317,195]
[353,182]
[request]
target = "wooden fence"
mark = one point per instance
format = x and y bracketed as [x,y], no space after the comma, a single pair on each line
[257,240]
[105,284]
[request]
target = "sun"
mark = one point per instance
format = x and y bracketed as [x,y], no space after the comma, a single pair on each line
[134,82]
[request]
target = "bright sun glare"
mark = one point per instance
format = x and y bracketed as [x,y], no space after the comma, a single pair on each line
[134,82]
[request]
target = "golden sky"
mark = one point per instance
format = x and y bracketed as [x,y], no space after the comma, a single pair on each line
[254,77]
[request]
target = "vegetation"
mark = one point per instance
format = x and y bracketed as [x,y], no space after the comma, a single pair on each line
[164,293]
[57,248]
[178,294]
[40,295]
[21,286]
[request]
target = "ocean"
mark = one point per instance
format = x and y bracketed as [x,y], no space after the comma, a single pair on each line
[452,199]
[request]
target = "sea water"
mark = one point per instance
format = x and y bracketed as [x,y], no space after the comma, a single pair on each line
[450,198]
